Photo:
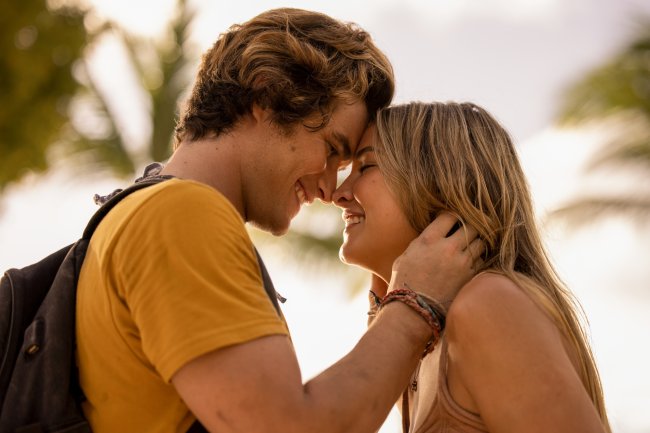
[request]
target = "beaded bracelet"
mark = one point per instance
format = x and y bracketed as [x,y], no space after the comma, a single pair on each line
[434,318]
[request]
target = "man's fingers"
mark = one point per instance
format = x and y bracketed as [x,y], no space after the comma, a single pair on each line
[440,226]
[464,236]
[469,234]
[476,248]
[478,264]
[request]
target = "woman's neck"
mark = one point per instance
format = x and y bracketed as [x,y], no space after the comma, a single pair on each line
[378,285]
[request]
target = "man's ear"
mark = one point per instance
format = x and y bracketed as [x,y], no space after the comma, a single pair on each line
[260,114]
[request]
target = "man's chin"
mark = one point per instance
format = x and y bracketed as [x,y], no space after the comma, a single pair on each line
[276,228]
[279,231]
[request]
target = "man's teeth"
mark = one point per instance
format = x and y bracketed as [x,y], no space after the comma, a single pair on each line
[301,194]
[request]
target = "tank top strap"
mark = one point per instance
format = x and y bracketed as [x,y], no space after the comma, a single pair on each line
[471,421]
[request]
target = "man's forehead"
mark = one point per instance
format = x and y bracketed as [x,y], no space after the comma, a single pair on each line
[344,144]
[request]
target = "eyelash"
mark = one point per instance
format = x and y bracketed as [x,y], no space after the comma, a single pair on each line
[332,149]
[364,167]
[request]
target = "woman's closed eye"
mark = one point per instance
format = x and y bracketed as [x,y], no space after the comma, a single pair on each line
[366,166]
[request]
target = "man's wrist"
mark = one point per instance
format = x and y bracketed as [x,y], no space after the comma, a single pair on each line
[399,318]
[428,310]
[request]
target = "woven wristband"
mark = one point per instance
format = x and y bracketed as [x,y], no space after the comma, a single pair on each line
[434,318]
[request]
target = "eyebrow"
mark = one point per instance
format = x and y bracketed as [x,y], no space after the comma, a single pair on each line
[363,150]
[345,143]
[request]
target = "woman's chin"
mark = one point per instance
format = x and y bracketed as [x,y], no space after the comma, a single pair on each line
[352,256]
[345,257]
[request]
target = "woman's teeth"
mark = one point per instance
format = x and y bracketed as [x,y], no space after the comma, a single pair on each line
[355,219]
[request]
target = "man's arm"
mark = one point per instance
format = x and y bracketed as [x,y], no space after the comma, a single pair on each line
[257,386]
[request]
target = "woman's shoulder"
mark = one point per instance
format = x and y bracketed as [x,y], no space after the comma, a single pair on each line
[490,304]
[487,290]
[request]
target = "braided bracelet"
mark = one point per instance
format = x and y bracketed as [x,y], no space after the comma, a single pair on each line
[434,318]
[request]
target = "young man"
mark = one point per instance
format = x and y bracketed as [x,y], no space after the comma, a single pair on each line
[173,322]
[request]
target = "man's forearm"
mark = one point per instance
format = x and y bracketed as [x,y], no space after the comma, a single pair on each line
[256,386]
[357,393]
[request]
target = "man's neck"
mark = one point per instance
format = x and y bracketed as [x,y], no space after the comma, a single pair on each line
[212,161]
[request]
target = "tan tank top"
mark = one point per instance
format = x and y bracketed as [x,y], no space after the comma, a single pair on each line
[430,405]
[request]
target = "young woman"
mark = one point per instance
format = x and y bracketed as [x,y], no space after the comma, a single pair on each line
[514,356]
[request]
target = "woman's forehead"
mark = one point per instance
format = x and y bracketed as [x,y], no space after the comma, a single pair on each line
[367,141]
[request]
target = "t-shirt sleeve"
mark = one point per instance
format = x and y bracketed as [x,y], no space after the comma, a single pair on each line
[187,270]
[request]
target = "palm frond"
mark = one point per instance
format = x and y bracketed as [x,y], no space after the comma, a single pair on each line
[606,92]
[627,153]
[588,209]
[174,58]
[160,65]
[39,46]
[105,155]
[102,150]
[621,85]
[617,95]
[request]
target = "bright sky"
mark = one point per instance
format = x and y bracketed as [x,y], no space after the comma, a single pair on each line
[512,56]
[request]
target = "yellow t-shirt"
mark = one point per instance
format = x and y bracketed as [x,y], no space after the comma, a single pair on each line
[170,274]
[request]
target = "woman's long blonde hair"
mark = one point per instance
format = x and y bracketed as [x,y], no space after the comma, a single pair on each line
[456,157]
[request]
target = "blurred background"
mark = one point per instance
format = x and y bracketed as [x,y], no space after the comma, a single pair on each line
[89,91]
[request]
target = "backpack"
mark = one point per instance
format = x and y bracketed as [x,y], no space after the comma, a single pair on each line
[39,384]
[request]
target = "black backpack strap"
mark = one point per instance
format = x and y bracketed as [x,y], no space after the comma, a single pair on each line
[196,427]
[110,204]
[268,284]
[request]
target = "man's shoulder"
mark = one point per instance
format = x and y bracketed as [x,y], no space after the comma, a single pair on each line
[170,213]
[184,190]
[185,198]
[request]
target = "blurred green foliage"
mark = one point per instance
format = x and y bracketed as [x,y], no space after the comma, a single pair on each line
[618,92]
[39,47]
[161,65]
[45,81]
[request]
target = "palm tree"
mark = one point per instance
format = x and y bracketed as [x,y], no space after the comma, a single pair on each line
[617,92]
[44,80]
[161,67]
[39,46]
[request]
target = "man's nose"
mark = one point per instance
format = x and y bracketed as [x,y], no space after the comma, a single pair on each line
[327,183]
